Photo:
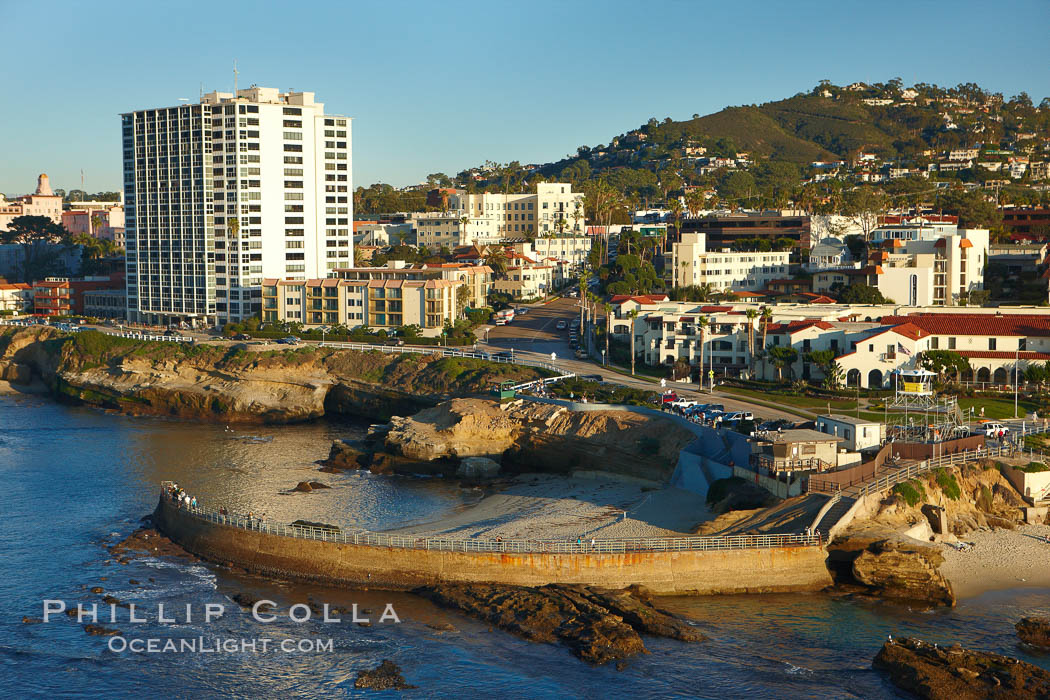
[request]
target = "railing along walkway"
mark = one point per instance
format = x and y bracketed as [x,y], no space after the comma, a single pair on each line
[511,546]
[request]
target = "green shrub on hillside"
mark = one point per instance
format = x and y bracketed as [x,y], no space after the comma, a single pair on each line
[911,491]
[1034,468]
[948,483]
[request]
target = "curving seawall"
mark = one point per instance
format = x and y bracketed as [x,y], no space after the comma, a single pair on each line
[686,572]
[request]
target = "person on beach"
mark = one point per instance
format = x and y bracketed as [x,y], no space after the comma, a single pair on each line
[592,543]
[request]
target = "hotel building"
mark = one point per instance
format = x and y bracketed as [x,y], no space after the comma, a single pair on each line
[220,194]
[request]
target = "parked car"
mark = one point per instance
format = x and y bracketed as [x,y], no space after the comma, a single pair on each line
[397,342]
[683,403]
[771,425]
[993,429]
[240,336]
[668,397]
[740,415]
[581,355]
[289,340]
[521,310]
[561,325]
[591,377]
[504,354]
[170,332]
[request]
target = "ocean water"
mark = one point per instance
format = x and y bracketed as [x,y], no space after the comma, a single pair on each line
[72,479]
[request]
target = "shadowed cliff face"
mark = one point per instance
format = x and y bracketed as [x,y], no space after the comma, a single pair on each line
[529,436]
[236,383]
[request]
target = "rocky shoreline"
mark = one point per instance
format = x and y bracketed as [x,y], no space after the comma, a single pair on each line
[955,673]
[597,625]
[237,383]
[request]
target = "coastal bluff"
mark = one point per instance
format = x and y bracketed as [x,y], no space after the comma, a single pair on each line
[239,383]
[528,436]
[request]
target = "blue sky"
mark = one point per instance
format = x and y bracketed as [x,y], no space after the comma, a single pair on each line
[443,86]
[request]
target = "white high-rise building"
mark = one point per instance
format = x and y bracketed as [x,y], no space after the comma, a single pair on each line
[224,193]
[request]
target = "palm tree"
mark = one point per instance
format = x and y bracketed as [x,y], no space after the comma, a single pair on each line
[701,326]
[751,314]
[585,278]
[94,224]
[676,214]
[608,327]
[767,317]
[497,260]
[463,221]
[233,225]
[632,314]
[694,201]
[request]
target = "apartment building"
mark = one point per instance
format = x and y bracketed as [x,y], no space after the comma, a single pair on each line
[869,342]
[488,218]
[220,194]
[43,202]
[532,280]
[927,271]
[568,248]
[105,303]
[723,230]
[100,222]
[15,297]
[691,263]
[384,297]
[475,279]
[63,296]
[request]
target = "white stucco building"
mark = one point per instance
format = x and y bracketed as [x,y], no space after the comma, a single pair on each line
[691,263]
[223,193]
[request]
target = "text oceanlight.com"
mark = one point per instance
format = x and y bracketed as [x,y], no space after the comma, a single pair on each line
[204,645]
[263,612]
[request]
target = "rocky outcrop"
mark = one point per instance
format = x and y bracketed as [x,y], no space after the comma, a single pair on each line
[308,486]
[890,566]
[597,625]
[386,676]
[1034,631]
[478,468]
[528,436]
[240,383]
[347,455]
[954,673]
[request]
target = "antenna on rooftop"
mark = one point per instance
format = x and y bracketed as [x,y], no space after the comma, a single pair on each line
[235,74]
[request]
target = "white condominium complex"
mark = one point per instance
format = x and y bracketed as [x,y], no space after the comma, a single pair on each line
[490,217]
[224,193]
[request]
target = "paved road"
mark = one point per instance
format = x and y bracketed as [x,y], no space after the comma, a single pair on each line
[535,336]
[536,331]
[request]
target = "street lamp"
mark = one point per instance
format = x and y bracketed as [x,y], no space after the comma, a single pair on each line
[323,329]
[603,357]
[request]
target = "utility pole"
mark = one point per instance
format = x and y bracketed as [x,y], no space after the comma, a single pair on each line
[1017,356]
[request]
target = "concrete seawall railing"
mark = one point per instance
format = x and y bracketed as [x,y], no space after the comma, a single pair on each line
[401,562]
[378,539]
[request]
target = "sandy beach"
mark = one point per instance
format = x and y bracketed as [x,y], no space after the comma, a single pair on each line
[546,507]
[999,559]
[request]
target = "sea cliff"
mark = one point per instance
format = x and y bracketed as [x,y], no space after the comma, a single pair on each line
[239,383]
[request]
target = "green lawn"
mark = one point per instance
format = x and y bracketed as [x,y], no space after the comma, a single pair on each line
[996,408]
[806,402]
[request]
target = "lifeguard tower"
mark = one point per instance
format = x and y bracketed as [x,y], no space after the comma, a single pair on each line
[916,414]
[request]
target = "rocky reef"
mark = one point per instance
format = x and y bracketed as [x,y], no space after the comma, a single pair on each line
[239,382]
[890,566]
[527,436]
[386,676]
[1034,631]
[596,624]
[955,673]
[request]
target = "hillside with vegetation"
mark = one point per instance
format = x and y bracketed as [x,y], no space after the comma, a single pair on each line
[808,151]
